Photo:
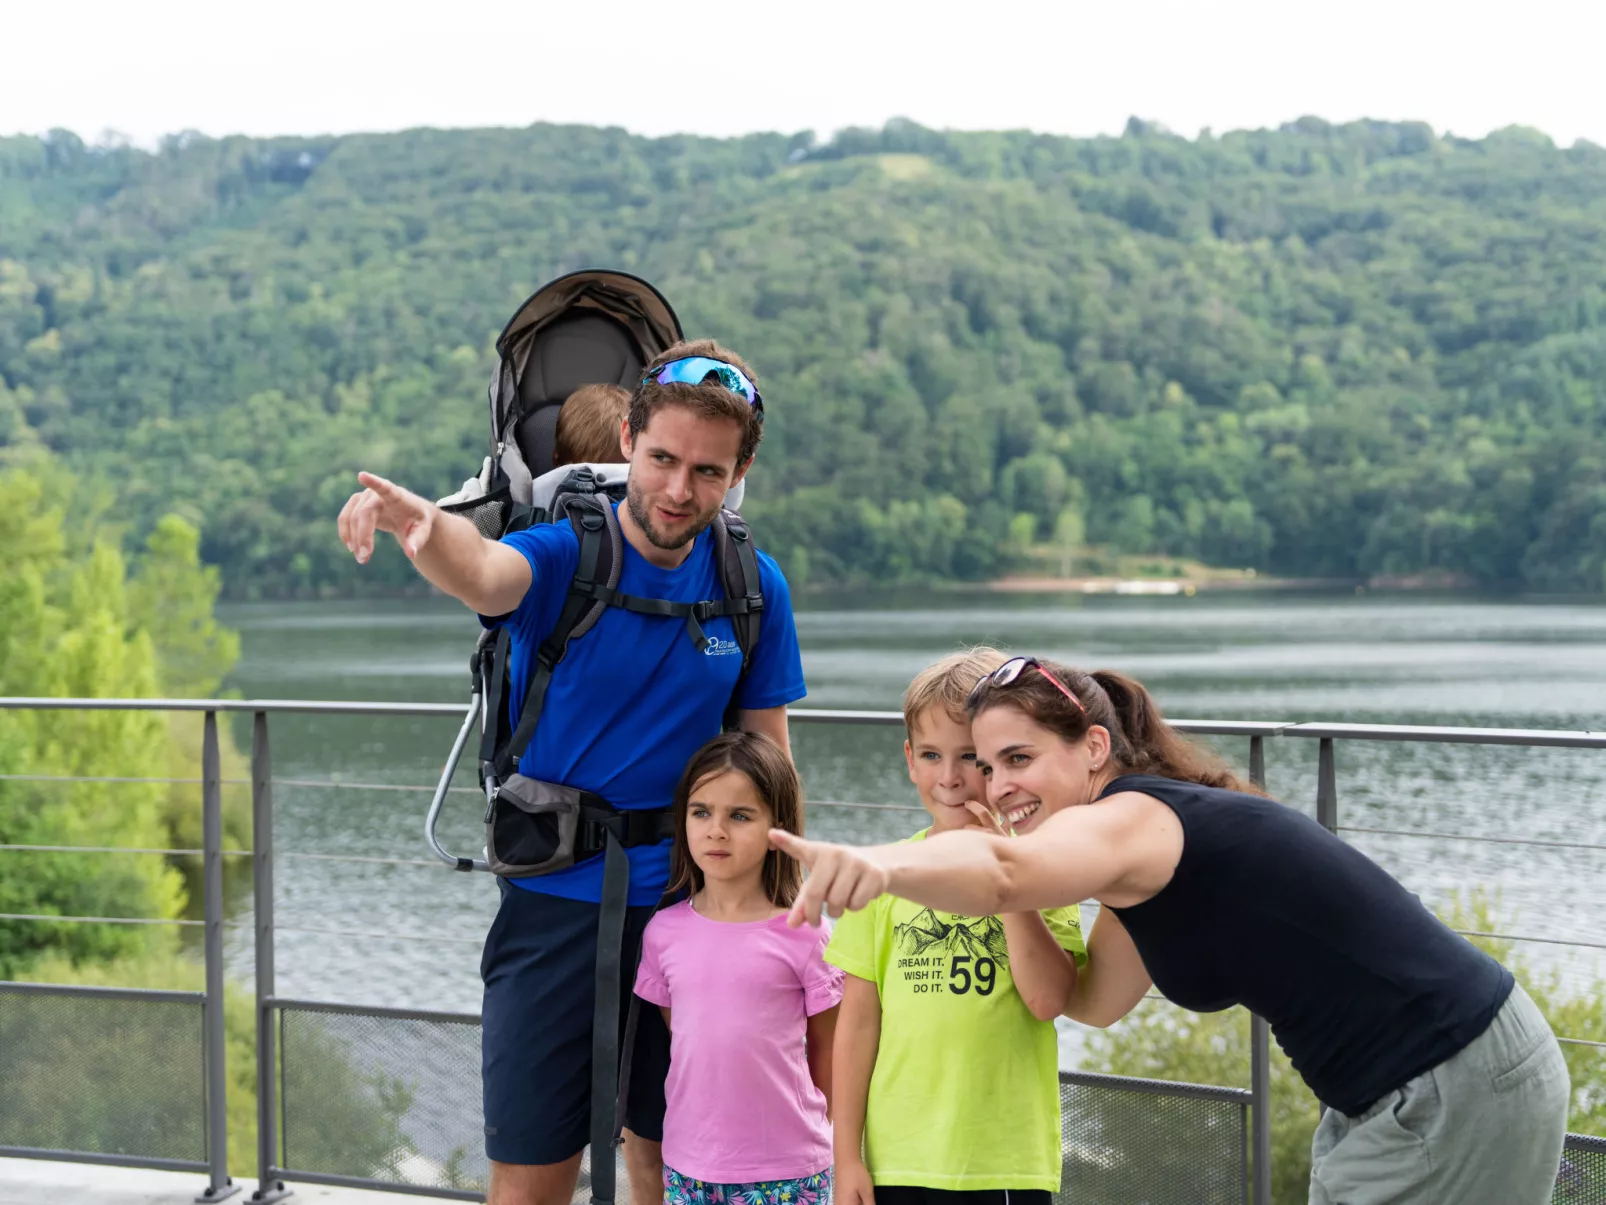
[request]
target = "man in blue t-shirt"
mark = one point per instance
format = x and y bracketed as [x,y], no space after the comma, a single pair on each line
[626,708]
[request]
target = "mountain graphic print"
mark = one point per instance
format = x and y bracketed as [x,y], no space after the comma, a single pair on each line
[981,937]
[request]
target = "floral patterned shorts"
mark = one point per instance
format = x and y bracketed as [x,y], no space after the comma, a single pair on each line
[806,1190]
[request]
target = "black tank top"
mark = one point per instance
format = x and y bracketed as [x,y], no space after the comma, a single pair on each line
[1363,987]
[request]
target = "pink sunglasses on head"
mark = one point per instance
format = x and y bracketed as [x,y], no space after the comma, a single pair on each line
[1011,670]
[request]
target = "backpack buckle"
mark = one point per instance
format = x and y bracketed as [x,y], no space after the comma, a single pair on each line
[697,614]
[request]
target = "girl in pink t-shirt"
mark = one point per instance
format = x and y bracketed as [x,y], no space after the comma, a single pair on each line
[751,1004]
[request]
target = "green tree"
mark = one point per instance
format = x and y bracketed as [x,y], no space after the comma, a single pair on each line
[171,598]
[1134,526]
[1036,485]
[1070,535]
[67,631]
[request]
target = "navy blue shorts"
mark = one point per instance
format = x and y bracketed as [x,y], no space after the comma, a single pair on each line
[540,972]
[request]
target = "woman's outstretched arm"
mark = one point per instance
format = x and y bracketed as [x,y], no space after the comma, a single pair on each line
[1078,854]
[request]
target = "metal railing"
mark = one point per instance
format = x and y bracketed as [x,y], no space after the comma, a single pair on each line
[1235,1121]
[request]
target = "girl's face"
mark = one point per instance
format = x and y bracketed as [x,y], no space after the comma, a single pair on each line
[1031,771]
[942,765]
[727,827]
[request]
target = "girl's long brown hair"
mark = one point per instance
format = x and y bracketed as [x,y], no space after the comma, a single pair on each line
[1141,742]
[774,778]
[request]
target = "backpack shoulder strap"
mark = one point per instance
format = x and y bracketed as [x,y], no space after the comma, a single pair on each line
[744,591]
[488,669]
[596,576]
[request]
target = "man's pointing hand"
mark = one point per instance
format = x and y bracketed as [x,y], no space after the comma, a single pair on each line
[384,506]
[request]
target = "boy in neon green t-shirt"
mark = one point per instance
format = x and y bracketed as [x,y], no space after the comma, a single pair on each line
[945,1068]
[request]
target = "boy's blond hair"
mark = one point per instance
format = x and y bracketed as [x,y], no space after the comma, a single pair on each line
[947,683]
[588,426]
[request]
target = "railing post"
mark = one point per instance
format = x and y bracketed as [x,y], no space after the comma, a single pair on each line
[1260,1086]
[217,1080]
[1326,804]
[268,1188]
[1326,787]
[1259,1048]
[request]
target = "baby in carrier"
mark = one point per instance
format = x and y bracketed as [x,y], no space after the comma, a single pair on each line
[589,424]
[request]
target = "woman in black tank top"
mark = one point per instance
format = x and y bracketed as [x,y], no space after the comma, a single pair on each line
[1443,1082]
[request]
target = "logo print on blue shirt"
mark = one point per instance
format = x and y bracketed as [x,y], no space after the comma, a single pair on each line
[721,648]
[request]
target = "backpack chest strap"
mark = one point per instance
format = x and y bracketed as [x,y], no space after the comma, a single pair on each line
[694,613]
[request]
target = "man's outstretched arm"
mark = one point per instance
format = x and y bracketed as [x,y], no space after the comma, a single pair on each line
[448,550]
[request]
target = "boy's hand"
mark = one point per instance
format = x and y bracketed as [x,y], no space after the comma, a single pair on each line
[989,820]
[383,506]
[852,1184]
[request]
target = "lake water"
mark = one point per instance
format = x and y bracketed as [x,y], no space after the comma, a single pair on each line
[1399,659]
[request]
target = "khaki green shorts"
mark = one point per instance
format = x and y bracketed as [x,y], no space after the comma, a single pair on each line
[1484,1127]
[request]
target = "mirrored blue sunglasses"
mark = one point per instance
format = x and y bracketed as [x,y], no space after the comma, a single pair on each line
[694,370]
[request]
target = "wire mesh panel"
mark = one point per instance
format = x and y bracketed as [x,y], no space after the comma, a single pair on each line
[488,513]
[1582,1178]
[1141,1142]
[389,1097]
[382,1097]
[103,1073]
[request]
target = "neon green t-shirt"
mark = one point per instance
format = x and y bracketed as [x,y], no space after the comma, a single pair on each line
[965,1093]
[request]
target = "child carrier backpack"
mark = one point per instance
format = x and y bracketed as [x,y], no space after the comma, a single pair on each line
[585,328]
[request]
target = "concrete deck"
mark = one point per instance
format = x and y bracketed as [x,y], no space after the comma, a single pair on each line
[34,1182]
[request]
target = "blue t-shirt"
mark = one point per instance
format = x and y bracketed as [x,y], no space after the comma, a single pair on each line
[633,699]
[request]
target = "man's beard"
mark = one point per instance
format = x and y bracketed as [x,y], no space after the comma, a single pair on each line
[636,500]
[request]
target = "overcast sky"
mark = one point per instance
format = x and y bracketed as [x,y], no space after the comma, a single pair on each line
[319,66]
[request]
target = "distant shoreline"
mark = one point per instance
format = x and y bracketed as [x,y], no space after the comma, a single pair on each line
[1129,585]
[1245,580]
[1158,586]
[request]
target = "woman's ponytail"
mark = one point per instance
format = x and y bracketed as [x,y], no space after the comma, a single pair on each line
[1146,744]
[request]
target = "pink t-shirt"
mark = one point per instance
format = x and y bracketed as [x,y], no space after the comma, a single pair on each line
[741,1104]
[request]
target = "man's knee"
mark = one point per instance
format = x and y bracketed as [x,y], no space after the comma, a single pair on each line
[533,1184]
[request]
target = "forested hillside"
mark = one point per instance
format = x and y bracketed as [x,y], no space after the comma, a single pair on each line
[1321,350]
